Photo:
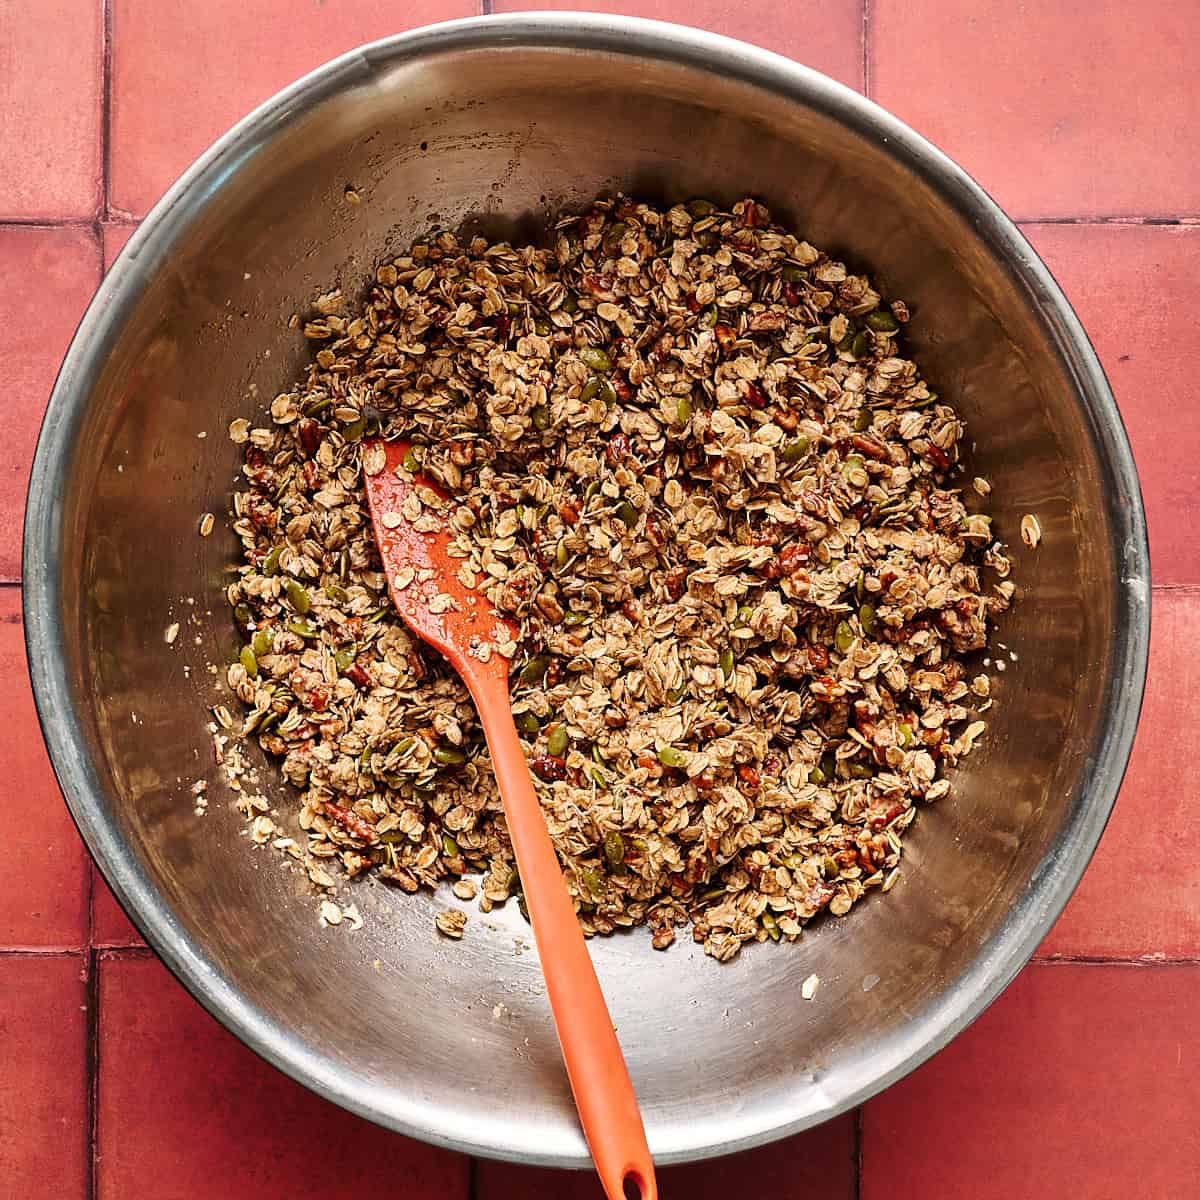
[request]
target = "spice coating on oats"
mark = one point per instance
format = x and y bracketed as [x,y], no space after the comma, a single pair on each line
[685,454]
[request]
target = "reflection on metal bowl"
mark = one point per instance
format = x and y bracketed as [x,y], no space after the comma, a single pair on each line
[497,123]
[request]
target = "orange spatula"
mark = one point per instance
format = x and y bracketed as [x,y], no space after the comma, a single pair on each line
[464,626]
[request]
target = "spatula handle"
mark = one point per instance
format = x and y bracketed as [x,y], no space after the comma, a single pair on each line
[604,1095]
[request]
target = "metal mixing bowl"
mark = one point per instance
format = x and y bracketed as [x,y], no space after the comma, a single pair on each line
[497,123]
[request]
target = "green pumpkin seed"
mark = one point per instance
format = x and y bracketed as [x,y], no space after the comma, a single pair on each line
[528,724]
[301,629]
[607,393]
[614,848]
[316,406]
[270,564]
[561,555]
[411,461]
[905,731]
[861,346]
[843,637]
[771,925]
[726,663]
[591,490]
[672,756]
[829,867]
[337,594]
[543,327]
[796,449]
[297,596]
[627,513]
[866,618]
[242,614]
[862,422]
[597,777]
[676,694]
[882,322]
[344,658]
[261,643]
[570,303]
[249,662]
[793,272]
[588,393]
[817,776]
[534,671]
[861,771]
[592,881]
[541,417]
[613,237]
[449,756]
[701,208]
[683,410]
[557,741]
[355,430]
[449,846]
[710,317]
[573,619]
[744,613]
[596,359]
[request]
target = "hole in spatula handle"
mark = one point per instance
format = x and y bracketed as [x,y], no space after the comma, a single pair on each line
[633,1186]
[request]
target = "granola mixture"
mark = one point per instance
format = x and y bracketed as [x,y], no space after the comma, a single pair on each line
[686,452]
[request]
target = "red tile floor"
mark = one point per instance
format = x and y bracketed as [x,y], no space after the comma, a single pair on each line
[1083,1078]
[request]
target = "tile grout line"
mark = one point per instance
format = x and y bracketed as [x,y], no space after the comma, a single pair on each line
[1096,960]
[42,951]
[93,1074]
[111,216]
[49,222]
[106,112]
[858,1151]
[866,50]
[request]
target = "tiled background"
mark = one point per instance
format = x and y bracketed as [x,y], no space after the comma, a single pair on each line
[1084,1079]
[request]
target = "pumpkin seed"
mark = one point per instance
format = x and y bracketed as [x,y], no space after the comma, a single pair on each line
[249,662]
[528,724]
[614,848]
[796,449]
[882,322]
[596,359]
[866,618]
[297,596]
[534,671]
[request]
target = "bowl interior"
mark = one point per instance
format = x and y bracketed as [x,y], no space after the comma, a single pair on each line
[497,131]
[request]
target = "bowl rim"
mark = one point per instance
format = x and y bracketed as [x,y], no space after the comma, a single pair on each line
[1051,884]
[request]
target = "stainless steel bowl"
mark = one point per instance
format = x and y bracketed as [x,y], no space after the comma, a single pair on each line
[496,123]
